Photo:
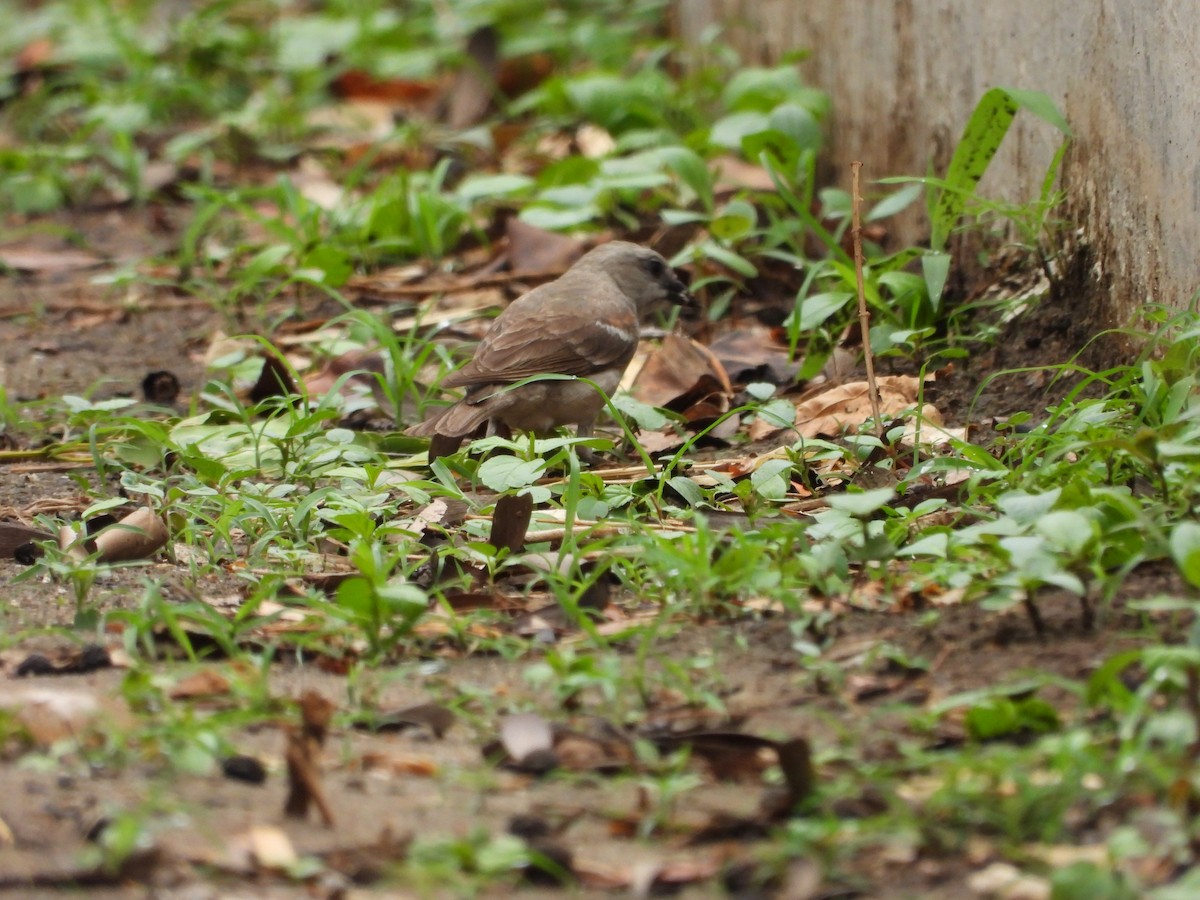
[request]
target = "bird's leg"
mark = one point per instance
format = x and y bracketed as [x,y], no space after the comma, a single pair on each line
[586,454]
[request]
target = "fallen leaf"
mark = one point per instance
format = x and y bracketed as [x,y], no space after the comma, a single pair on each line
[355,84]
[834,410]
[474,86]
[51,714]
[734,174]
[205,683]
[35,260]
[533,249]
[680,373]
[753,354]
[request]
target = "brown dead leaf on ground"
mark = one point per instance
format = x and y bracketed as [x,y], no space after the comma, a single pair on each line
[51,714]
[470,96]
[734,174]
[683,374]
[533,249]
[405,93]
[753,354]
[830,411]
[39,260]
[205,683]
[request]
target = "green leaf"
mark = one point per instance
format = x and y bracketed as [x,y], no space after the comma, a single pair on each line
[1067,529]
[736,220]
[1086,881]
[332,262]
[504,473]
[861,504]
[1185,551]
[894,203]
[728,258]
[729,131]
[760,88]
[816,308]
[798,124]
[645,415]
[690,168]
[554,218]
[476,187]
[980,140]
[935,545]
[935,268]
[1027,508]
[687,489]
[770,479]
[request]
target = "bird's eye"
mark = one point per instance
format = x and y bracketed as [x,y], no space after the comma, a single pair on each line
[656,268]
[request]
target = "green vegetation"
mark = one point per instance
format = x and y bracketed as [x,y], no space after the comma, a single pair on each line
[339,542]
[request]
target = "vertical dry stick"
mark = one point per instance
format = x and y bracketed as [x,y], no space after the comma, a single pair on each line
[864,317]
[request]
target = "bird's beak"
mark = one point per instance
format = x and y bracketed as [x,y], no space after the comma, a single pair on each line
[678,294]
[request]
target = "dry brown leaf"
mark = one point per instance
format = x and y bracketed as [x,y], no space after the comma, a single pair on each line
[402,92]
[39,260]
[471,94]
[734,174]
[843,407]
[753,354]
[680,373]
[400,764]
[533,249]
[51,714]
[205,683]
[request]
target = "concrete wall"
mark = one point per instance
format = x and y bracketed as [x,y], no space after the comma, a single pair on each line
[905,74]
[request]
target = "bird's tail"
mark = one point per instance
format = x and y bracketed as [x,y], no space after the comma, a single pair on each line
[459,420]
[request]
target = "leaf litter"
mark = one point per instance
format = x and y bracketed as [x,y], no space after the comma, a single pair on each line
[695,376]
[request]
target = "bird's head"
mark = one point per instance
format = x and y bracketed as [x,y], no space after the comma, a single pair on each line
[642,274]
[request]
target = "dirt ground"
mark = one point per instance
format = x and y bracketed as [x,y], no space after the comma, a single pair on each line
[58,334]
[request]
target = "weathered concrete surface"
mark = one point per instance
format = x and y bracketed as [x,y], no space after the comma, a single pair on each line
[904,76]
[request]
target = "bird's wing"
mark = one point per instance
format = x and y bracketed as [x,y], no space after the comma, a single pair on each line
[563,342]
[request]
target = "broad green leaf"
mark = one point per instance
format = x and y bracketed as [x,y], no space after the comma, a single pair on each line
[729,258]
[770,479]
[733,222]
[503,473]
[1067,529]
[935,545]
[729,131]
[816,308]
[476,187]
[1185,551]
[1027,508]
[687,489]
[645,415]
[760,88]
[862,503]
[894,203]
[798,124]
[555,218]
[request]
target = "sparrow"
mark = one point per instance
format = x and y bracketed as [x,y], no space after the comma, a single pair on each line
[585,323]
